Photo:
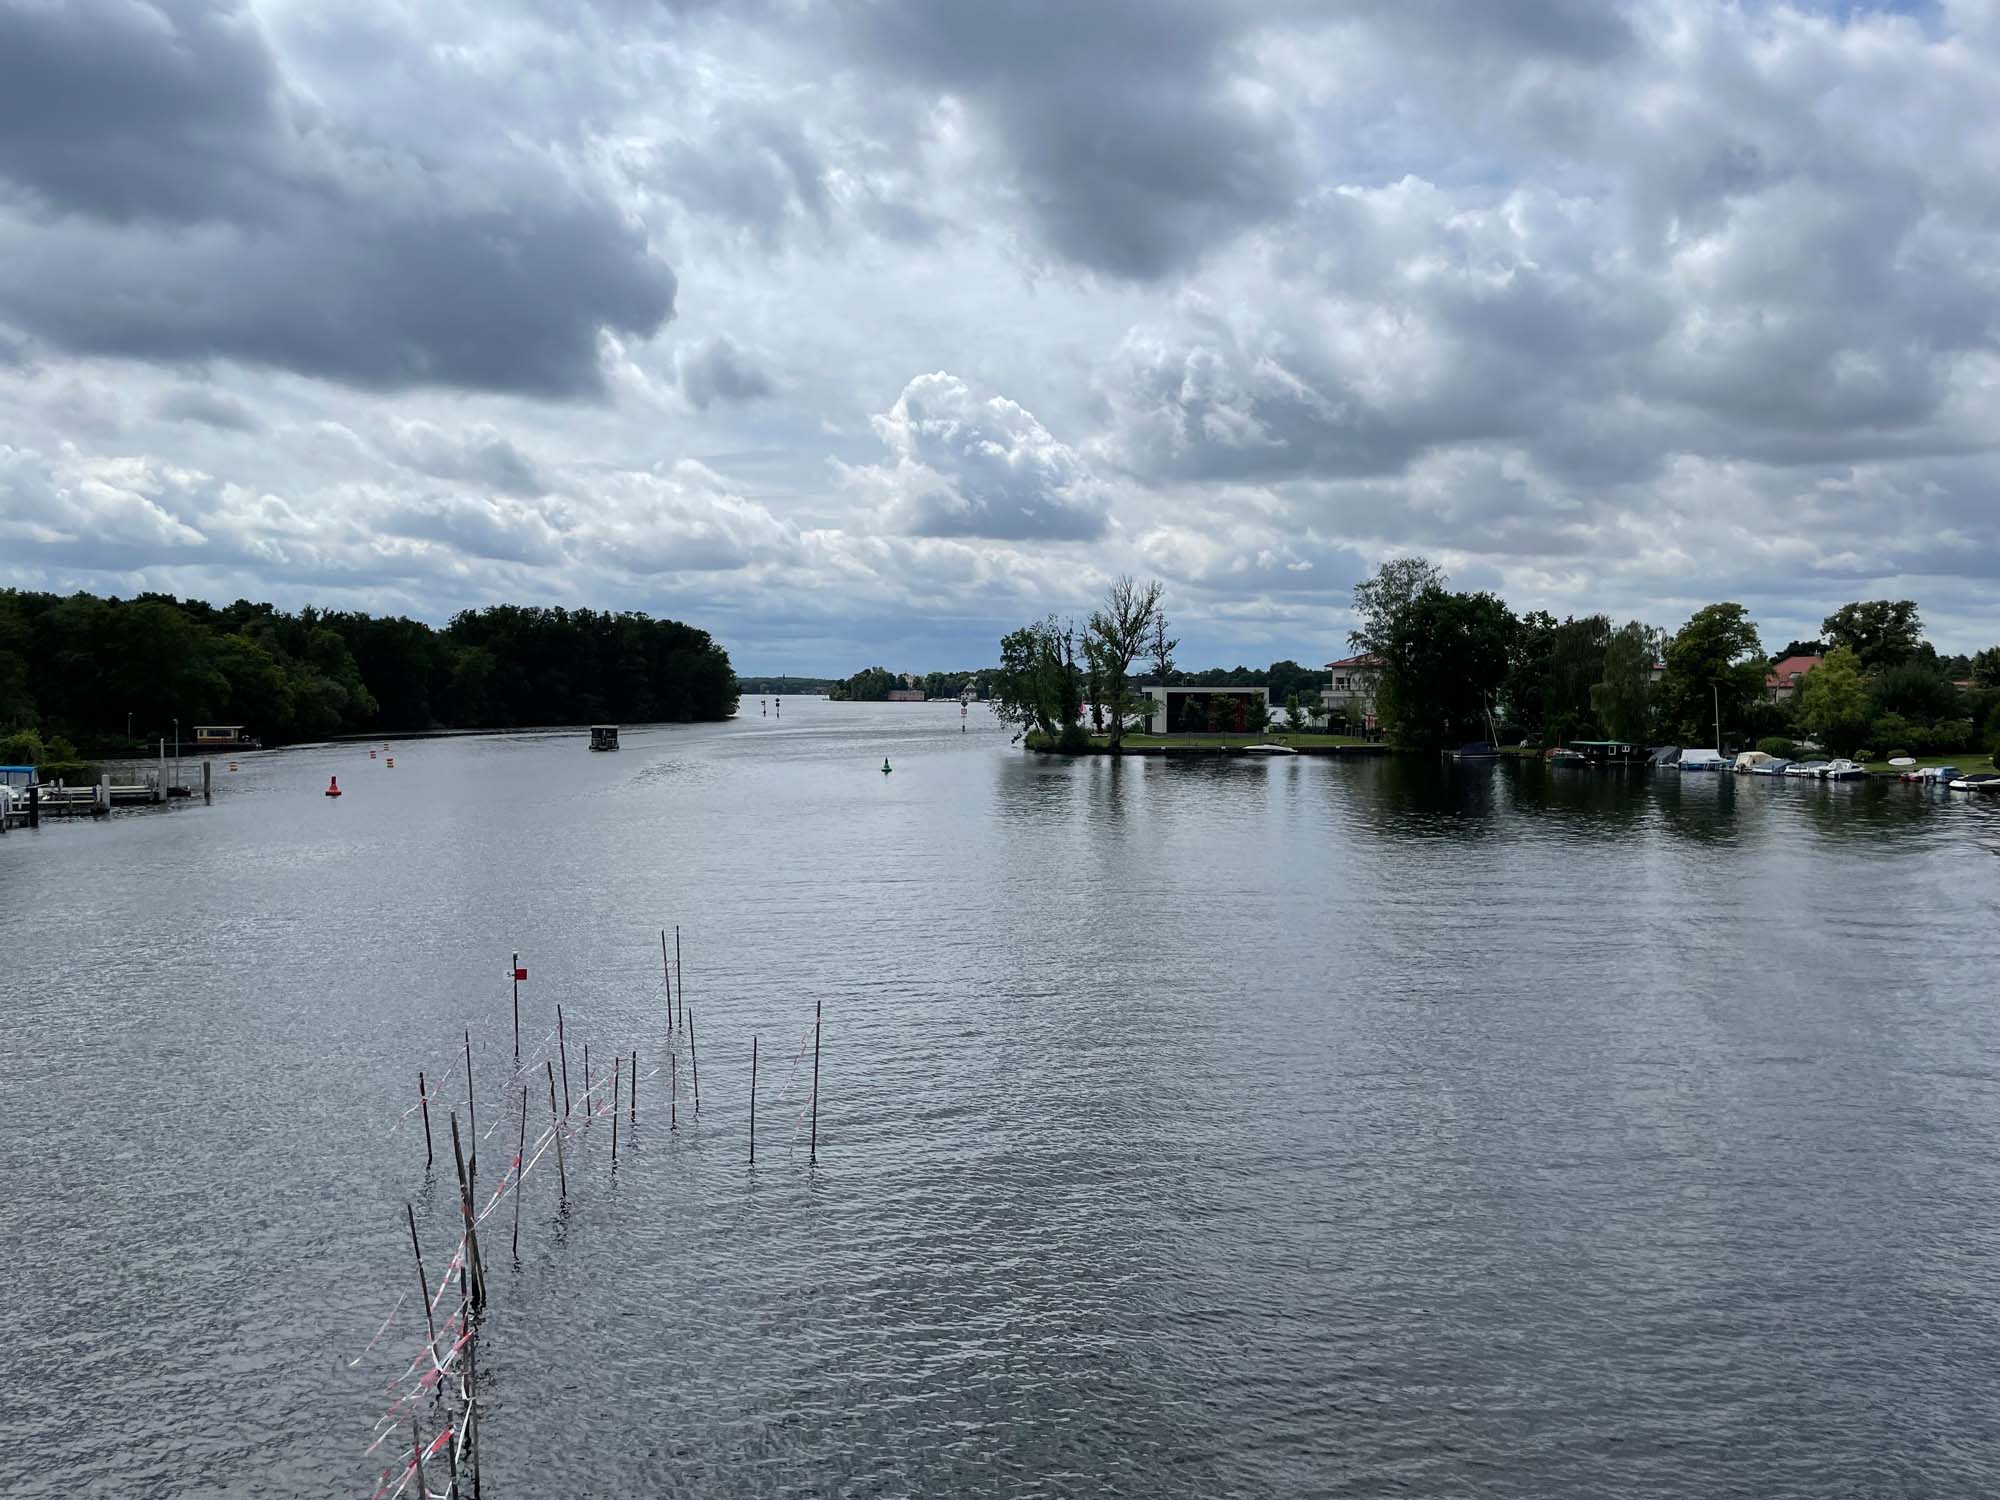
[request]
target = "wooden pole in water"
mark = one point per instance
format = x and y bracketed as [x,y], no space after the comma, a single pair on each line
[471,1116]
[520,1164]
[477,1281]
[674,1092]
[562,1047]
[515,975]
[680,974]
[634,1106]
[555,1129]
[667,974]
[423,1281]
[753,1101]
[417,1454]
[35,806]
[812,1155]
[616,1080]
[206,790]
[586,1076]
[694,1062]
[424,1103]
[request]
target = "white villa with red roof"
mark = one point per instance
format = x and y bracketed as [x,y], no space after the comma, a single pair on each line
[1785,677]
[1350,687]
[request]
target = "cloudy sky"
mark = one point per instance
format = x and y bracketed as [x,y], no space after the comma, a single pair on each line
[860,332]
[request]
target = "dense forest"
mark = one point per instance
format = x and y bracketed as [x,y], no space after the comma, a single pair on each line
[109,675]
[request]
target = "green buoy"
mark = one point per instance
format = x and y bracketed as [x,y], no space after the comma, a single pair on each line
[885,765]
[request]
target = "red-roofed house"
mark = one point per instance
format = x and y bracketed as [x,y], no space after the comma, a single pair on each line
[1786,676]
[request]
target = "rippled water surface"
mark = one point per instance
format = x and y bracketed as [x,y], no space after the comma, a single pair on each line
[1246,1128]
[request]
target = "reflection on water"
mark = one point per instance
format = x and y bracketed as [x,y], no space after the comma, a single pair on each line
[1221,1127]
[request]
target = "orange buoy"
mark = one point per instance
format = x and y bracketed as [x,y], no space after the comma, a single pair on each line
[232,765]
[392,762]
[333,786]
[371,754]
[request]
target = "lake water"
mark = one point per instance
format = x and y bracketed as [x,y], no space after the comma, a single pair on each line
[1297,1127]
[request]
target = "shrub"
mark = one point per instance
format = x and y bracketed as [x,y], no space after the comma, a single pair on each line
[74,772]
[21,748]
[1778,747]
[1894,729]
[1074,740]
[1950,736]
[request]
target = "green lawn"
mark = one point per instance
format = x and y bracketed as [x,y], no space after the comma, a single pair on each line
[1970,761]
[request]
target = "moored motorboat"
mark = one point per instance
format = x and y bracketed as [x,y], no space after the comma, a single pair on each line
[1810,768]
[1843,770]
[1269,750]
[1704,760]
[1990,785]
[1772,767]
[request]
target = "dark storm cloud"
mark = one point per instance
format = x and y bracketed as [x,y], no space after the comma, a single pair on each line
[1134,152]
[290,239]
[716,370]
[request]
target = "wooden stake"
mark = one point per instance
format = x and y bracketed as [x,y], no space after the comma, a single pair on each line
[514,974]
[617,1079]
[417,1453]
[562,1047]
[634,1120]
[477,1282]
[753,1101]
[680,974]
[424,1101]
[520,1163]
[423,1281]
[674,1092]
[471,1116]
[694,1061]
[812,1156]
[555,1129]
[587,1085]
[667,974]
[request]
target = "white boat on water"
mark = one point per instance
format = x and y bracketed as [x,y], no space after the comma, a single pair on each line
[1808,768]
[1704,760]
[1844,770]
[1269,750]
[1990,785]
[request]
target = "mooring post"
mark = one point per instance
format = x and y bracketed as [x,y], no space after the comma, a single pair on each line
[586,1078]
[562,1047]
[35,806]
[667,974]
[680,974]
[674,1092]
[555,1129]
[206,789]
[694,1063]
[423,1281]
[753,1101]
[514,973]
[520,1163]
[616,1080]
[476,1284]
[424,1103]
[812,1154]
[634,1120]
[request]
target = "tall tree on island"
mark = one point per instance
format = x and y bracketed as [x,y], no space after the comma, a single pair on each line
[1444,654]
[1715,665]
[1833,702]
[1037,685]
[1118,633]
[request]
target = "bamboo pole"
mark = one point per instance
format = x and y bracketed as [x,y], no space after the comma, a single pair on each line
[478,1280]
[694,1062]
[634,1106]
[417,1455]
[680,974]
[562,1047]
[514,974]
[555,1129]
[667,974]
[617,1079]
[753,1101]
[423,1281]
[471,1115]
[520,1164]
[812,1155]
[424,1101]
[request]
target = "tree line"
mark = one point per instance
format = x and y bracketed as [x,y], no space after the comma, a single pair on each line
[1454,666]
[874,684]
[1457,666]
[111,675]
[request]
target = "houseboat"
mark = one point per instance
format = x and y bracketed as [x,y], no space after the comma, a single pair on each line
[222,737]
[604,736]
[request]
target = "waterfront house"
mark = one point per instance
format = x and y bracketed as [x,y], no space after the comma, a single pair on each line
[1350,688]
[1784,678]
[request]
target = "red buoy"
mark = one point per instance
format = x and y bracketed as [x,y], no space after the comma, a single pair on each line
[333,786]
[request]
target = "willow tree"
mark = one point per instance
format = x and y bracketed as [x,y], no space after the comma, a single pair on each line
[1124,627]
[1623,700]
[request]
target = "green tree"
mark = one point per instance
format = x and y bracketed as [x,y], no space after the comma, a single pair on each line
[1880,632]
[1914,688]
[1037,684]
[1623,699]
[1295,718]
[1445,655]
[1714,660]
[1985,668]
[1833,702]
[1527,687]
[1117,633]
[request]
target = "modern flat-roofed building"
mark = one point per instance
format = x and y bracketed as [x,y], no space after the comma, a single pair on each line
[1204,710]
